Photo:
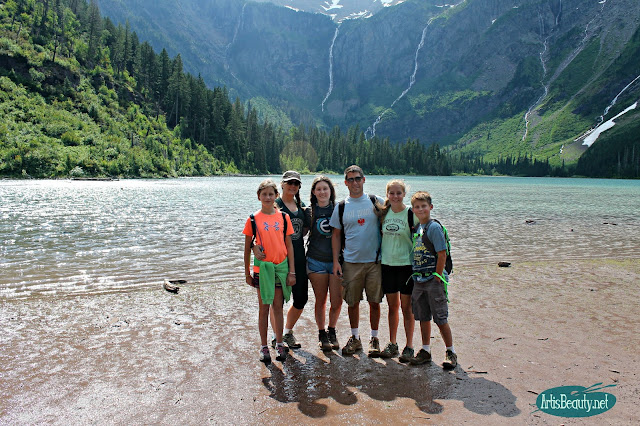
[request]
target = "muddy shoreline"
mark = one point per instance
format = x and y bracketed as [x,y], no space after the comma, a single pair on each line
[149,356]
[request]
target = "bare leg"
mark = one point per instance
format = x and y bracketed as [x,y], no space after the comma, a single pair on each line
[374,315]
[408,319]
[445,331]
[320,285]
[335,296]
[425,331]
[278,319]
[393,300]
[292,316]
[354,315]
[263,320]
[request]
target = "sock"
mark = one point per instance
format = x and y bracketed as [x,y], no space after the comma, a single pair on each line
[427,348]
[331,329]
[279,344]
[286,330]
[262,347]
[355,333]
[450,348]
[374,333]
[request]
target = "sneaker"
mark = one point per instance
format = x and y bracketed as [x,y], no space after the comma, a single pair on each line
[374,347]
[407,354]
[282,353]
[333,339]
[273,344]
[265,356]
[450,360]
[390,351]
[352,346]
[291,341]
[324,343]
[422,358]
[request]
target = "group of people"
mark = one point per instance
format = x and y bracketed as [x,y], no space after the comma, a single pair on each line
[363,244]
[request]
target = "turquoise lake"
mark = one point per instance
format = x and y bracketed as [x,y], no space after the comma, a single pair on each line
[69,237]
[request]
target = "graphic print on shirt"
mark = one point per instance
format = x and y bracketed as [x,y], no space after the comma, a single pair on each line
[322,225]
[276,226]
[298,224]
[423,260]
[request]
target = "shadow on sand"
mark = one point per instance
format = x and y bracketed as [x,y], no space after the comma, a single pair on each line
[305,378]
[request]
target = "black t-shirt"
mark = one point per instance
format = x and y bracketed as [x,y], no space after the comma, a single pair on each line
[319,247]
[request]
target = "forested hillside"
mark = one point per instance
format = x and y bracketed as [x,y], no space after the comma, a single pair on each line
[83,97]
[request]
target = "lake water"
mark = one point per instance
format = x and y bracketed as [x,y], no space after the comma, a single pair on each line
[68,237]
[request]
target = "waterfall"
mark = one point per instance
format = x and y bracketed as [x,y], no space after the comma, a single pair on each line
[371,130]
[544,94]
[235,34]
[335,35]
[613,102]
[412,80]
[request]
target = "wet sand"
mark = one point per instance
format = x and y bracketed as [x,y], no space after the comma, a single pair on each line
[152,357]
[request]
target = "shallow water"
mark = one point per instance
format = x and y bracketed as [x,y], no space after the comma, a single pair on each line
[70,237]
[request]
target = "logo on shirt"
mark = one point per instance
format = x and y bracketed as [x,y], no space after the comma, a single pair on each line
[323,227]
[361,221]
[276,226]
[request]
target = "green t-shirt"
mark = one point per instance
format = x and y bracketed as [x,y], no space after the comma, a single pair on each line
[396,238]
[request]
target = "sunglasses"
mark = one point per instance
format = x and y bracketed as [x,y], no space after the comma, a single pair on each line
[354,179]
[293,182]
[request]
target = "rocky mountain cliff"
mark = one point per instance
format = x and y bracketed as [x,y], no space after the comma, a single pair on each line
[489,77]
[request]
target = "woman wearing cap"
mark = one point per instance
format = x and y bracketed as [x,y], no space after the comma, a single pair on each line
[290,203]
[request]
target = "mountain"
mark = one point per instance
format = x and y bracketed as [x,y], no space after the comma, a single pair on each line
[488,77]
[338,10]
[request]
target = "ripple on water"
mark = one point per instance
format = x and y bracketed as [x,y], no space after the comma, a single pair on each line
[65,237]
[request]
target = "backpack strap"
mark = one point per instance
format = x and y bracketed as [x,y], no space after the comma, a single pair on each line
[425,239]
[253,229]
[341,206]
[410,221]
[284,219]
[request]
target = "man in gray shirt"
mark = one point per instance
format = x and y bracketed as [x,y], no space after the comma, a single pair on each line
[361,269]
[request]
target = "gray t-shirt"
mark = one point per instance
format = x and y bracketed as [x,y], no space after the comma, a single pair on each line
[422,260]
[319,247]
[361,229]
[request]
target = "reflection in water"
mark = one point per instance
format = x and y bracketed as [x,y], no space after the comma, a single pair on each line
[61,237]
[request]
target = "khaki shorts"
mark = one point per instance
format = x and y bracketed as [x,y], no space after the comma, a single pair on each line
[358,277]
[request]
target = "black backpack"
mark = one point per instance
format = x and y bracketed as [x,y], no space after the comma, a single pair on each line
[448,266]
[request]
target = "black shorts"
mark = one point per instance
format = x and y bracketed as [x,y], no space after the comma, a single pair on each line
[255,282]
[397,279]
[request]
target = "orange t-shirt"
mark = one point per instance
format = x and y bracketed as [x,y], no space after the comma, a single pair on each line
[269,230]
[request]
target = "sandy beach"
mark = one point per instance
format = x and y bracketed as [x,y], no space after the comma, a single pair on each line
[151,357]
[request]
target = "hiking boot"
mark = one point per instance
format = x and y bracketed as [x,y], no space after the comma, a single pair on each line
[273,344]
[374,347]
[333,339]
[282,353]
[324,343]
[390,351]
[265,356]
[407,354]
[422,358]
[291,341]
[354,344]
[450,360]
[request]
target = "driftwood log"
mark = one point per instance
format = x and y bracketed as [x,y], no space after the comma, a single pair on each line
[170,285]
[504,264]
